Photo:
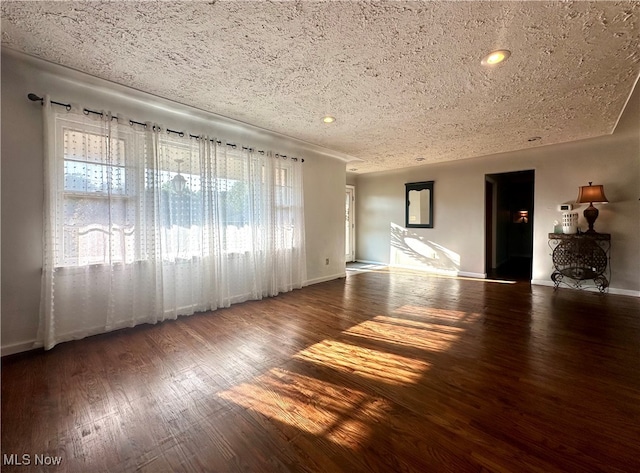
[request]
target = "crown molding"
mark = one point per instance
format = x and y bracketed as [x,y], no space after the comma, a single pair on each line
[167,105]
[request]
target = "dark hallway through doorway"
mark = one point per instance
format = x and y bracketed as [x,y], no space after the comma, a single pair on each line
[509,225]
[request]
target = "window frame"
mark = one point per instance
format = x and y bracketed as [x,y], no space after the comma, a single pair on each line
[129,196]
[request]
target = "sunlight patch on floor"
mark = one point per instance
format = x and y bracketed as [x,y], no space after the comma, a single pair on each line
[366,362]
[316,407]
[398,321]
[374,351]
[379,330]
[437,316]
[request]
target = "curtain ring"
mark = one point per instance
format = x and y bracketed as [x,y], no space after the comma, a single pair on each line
[68,107]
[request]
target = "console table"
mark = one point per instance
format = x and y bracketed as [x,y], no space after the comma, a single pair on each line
[580,257]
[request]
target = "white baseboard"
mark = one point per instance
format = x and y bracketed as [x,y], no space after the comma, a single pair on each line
[309,282]
[472,275]
[377,263]
[611,290]
[428,270]
[624,292]
[443,272]
[18,348]
[542,282]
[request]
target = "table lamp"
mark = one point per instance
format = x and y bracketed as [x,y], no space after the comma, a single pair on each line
[591,194]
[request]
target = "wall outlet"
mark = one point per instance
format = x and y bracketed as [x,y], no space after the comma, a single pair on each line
[326,262]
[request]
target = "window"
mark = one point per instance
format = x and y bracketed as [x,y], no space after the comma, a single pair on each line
[144,249]
[98,198]
[283,208]
[118,197]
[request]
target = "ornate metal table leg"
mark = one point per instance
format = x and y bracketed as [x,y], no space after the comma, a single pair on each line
[556,277]
[601,283]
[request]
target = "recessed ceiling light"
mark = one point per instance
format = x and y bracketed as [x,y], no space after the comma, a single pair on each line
[328,119]
[535,138]
[419,159]
[496,57]
[353,169]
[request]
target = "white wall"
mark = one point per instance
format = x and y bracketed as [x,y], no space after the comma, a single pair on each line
[324,182]
[22,177]
[612,160]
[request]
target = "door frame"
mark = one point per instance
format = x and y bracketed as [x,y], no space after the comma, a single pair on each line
[352,220]
[491,217]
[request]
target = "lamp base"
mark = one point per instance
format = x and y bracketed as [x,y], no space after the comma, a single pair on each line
[591,214]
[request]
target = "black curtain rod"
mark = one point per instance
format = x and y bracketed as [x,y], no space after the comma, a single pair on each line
[34,98]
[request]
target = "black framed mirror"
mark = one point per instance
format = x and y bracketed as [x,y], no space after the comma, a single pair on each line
[419,204]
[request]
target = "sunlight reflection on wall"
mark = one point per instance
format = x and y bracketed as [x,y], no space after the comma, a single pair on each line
[410,249]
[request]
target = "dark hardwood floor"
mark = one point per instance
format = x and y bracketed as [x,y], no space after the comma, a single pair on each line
[380,372]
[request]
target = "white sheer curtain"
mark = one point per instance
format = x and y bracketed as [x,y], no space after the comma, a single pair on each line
[142,225]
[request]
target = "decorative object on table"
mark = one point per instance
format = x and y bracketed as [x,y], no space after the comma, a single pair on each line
[590,194]
[557,227]
[579,258]
[570,223]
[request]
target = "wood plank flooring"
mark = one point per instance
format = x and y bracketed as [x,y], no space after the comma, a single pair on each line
[384,371]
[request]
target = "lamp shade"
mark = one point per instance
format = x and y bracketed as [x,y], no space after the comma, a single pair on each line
[589,194]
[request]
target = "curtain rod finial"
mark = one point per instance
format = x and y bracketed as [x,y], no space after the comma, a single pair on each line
[34,98]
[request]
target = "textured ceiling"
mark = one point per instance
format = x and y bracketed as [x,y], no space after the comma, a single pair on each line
[403,79]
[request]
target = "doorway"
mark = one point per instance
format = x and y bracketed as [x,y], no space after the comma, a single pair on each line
[350,225]
[509,217]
